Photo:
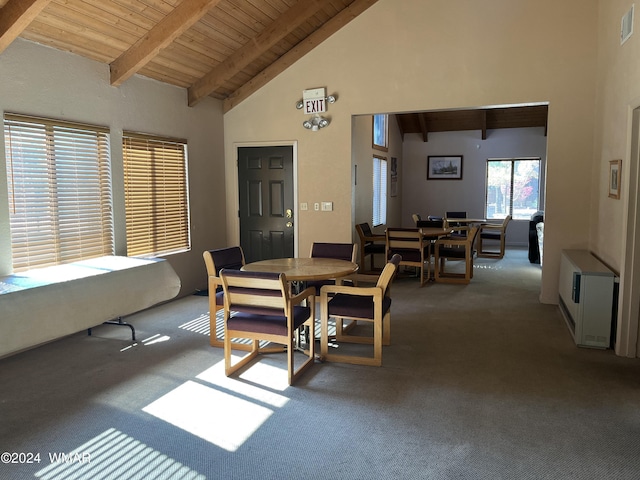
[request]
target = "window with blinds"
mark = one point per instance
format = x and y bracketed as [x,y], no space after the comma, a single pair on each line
[379,191]
[59,184]
[156,195]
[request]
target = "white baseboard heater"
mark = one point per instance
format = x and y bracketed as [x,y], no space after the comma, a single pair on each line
[588,298]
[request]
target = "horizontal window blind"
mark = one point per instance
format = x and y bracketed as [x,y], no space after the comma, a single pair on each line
[379,191]
[156,195]
[59,183]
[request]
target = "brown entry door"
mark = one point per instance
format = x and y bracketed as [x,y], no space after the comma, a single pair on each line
[265,177]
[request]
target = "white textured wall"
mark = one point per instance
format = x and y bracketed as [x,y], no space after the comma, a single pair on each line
[41,81]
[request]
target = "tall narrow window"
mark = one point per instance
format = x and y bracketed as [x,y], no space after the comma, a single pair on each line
[380,132]
[59,183]
[379,191]
[513,188]
[156,195]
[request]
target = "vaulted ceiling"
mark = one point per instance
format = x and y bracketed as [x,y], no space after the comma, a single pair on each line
[226,49]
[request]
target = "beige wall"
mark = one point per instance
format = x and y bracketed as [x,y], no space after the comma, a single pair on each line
[41,81]
[613,225]
[404,55]
[362,158]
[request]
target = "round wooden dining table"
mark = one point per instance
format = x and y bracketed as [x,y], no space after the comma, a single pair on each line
[301,269]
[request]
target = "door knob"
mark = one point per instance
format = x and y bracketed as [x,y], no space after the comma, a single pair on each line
[289,224]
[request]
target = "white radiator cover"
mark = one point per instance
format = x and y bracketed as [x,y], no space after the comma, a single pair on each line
[588,296]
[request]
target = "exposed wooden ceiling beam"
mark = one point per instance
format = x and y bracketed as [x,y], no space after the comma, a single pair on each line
[297,52]
[272,34]
[164,33]
[15,16]
[424,127]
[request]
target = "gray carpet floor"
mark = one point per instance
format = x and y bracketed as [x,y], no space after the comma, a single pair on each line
[481,382]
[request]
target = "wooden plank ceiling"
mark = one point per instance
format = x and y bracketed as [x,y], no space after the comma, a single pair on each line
[223,48]
[476,119]
[226,49]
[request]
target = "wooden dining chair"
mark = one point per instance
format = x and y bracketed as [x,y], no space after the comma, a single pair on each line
[370,245]
[460,229]
[497,232]
[264,309]
[411,245]
[367,304]
[339,251]
[216,260]
[455,248]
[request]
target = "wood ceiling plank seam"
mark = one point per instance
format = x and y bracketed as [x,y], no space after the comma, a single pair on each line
[133,24]
[247,15]
[44,37]
[90,23]
[222,25]
[265,8]
[80,31]
[183,62]
[138,8]
[297,52]
[212,56]
[257,46]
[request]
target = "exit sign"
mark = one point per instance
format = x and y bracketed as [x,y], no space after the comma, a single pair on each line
[314,100]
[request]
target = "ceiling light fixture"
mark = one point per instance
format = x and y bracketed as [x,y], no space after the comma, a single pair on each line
[316,122]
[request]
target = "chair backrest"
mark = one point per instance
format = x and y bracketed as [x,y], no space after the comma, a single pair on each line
[361,234]
[216,260]
[230,258]
[340,251]
[506,221]
[404,239]
[258,293]
[430,223]
[456,215]
[365,228]
[388,274]
[416,217]
[434,218]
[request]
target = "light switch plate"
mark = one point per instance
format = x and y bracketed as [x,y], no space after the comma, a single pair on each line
[327,206]
[316,206]
[304,206]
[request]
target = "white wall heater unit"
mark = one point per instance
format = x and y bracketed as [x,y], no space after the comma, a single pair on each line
[588,298]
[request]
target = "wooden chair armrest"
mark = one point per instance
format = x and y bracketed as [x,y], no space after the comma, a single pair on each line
[303,295]
[451,241]
[361,291]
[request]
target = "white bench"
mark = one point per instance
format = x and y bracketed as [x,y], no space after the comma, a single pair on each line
[48,303]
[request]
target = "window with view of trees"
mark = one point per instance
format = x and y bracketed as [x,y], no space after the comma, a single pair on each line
[513,188]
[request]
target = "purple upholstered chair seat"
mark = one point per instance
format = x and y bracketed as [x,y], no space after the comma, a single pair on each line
[265,320]
[355,306]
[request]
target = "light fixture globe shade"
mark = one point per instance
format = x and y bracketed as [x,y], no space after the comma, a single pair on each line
[323,122]
[307,124]
[299,104]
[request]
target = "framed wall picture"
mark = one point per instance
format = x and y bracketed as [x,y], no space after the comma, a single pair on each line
[614,178]
[444,167]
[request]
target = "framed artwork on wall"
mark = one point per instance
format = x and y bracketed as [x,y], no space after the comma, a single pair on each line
[614,178]
[444,167]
